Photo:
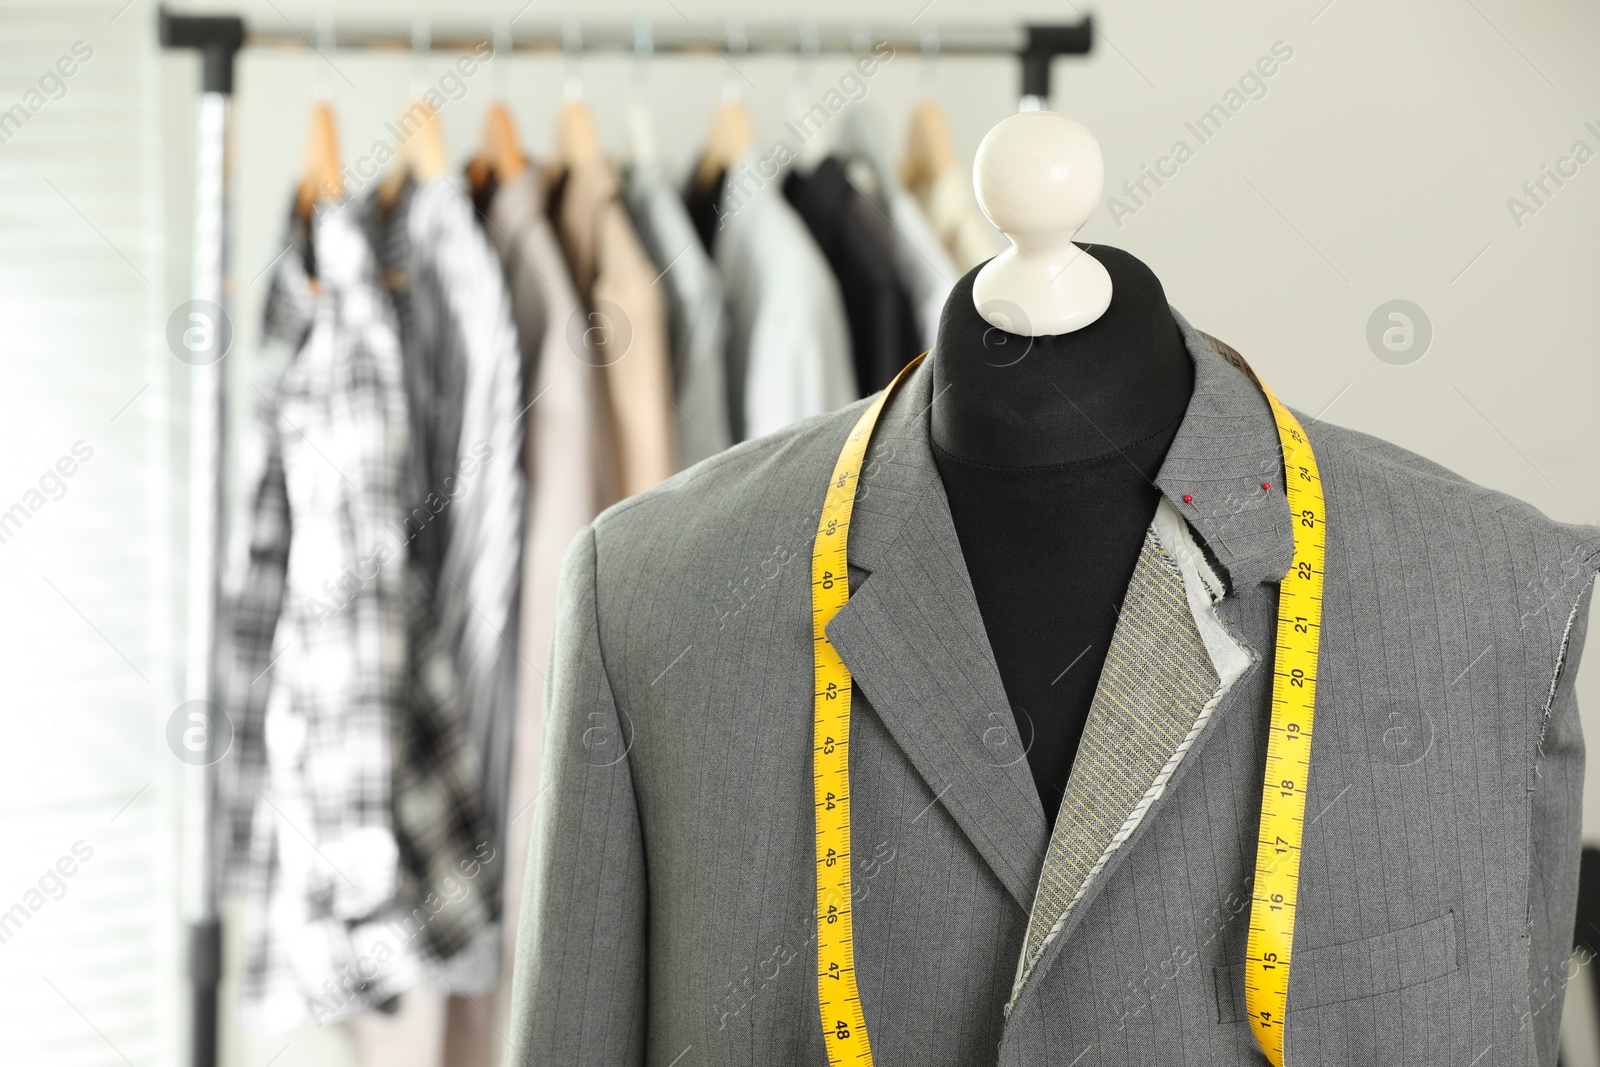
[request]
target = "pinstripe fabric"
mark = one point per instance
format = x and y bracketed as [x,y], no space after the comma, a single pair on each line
[672,877]
[1157,678]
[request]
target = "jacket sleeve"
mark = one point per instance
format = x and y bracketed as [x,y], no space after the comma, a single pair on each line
[1555,844]
[579,984]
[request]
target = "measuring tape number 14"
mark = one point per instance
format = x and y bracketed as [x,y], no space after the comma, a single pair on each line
[1283,798]
[1276,889]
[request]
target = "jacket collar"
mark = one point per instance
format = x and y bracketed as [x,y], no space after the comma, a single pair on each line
[912,634]
[1225,448]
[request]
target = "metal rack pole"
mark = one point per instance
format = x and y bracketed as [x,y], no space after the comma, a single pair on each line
[1034,46]
[218,41]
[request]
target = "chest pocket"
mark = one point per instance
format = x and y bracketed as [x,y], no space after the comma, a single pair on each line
[1354,970]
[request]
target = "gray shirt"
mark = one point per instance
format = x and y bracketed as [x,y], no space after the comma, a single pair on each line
[696,318]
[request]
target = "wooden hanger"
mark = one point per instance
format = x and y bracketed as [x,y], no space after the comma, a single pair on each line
[730,135]
[930,151]
[429,159]
[320,178]
[577,140]
[499,153]
[422,156]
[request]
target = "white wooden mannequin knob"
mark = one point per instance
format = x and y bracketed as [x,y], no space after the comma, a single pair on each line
[1038,175]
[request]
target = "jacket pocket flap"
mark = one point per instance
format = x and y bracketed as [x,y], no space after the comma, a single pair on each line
[1370,967]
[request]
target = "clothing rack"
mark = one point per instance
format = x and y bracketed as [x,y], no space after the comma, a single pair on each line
[218,39]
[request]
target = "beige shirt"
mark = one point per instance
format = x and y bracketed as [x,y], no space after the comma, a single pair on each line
[623,324]
[949,205]
[568,461]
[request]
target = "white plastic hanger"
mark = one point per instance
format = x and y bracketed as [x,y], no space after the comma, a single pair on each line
[1038,175]
[814,148]
[641,139]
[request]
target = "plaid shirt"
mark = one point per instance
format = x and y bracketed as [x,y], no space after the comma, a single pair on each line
[465,498]
[461,348]
[350,771]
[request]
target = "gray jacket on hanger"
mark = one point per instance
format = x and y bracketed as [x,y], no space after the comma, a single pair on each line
[672,883]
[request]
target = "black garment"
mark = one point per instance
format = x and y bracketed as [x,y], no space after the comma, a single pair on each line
[1050,551]
[883,333]
[1048,448]
[705,209]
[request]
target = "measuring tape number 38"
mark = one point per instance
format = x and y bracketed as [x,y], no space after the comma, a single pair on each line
[1275,887]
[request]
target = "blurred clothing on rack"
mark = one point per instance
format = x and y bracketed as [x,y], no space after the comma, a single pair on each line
[410,1032]
[850,232]
[623,323]
[788,341]
[504,224]
[464,387]
[921,261]
[466,490]
[357,787]
[464,507]
[696,317]
[568,458]
[258,566]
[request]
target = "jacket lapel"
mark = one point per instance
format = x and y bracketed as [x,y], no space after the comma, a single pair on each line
[1169,666]
[914,641]
[1172,663]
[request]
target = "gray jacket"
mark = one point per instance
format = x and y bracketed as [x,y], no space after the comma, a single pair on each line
[672,889]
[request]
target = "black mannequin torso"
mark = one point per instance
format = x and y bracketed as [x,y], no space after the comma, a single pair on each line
[1048,448]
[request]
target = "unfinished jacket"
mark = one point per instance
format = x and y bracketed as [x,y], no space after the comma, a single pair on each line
[674,871]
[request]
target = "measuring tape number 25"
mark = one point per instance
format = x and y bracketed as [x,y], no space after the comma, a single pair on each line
[1276,882]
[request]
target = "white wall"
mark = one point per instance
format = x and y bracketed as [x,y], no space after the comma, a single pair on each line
[87,783]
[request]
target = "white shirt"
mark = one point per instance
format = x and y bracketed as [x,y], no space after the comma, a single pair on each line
[788,342]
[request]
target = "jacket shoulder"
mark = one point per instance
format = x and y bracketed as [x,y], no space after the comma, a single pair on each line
[771,480]
[1357,467]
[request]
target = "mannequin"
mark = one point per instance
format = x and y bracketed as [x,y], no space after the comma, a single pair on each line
[1060,379]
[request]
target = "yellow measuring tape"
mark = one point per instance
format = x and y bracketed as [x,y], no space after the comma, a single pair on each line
[1276,889]
[1283,800]
[844,1028]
